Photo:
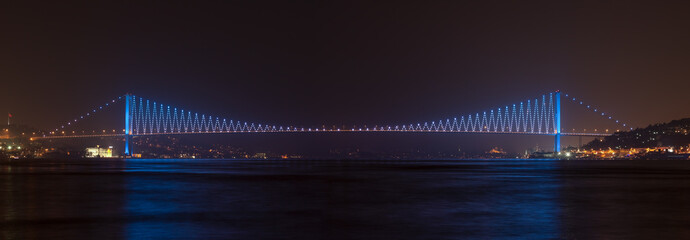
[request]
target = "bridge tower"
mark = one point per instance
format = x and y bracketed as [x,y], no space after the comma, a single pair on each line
[128,126]
[557,126]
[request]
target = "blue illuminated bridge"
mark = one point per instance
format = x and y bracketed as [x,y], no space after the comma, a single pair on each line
[144,117]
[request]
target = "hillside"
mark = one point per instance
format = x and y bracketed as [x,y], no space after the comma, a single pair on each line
[674,133]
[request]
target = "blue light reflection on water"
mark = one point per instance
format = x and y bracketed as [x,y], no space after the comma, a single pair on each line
[162,203]
[230,199]
[198,199]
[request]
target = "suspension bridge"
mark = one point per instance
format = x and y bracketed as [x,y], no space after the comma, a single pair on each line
[144,117]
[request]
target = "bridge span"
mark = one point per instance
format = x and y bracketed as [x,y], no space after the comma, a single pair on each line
[143,117]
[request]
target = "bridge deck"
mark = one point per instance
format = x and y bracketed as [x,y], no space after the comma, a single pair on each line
[319,131]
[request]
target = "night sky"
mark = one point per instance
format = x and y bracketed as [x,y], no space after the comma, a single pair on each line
[322,62]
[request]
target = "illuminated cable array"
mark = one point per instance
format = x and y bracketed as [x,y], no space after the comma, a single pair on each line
[88,114]
[533,116]
[149,117]
[597,111]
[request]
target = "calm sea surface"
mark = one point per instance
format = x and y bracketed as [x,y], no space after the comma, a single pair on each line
[298,199]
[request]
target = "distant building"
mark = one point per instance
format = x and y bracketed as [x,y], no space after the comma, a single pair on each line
[495,152]
[98,152]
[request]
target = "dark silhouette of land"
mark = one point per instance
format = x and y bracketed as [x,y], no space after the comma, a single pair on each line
[671,134]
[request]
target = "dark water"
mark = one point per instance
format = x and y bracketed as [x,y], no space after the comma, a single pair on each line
[227,199]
